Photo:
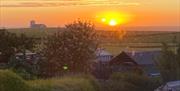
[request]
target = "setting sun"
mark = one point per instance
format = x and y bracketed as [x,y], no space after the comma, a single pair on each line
[112,22]
[113,18]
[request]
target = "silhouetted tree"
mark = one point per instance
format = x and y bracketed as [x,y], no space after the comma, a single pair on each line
[24,68]
[10,44]
[70,50]
[174,40]
[7,45]
[178,59]
[168,64]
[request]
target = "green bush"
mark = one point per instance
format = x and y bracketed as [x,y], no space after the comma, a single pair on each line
[9,81]
[91,80]
[130,82]
[65,84]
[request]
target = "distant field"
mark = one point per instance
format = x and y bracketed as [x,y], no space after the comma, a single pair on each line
[35,32]
[131,41]
[152,37]
[130,36]
[117,48]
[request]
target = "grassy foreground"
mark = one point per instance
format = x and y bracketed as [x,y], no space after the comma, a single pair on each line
[9,81]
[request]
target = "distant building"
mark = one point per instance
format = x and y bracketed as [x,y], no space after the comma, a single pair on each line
[106,64]
[124,63]
[34,25]
[146,59]
[30,57]
[135,61]
[103,56]
[100,67]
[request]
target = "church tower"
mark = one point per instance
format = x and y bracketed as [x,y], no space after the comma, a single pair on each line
[32,23]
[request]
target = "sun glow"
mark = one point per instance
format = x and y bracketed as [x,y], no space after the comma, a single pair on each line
[113,18]
[103,19]
[112,22]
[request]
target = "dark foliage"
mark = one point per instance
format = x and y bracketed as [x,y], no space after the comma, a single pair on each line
[69,51]
[168,64]
[130,82]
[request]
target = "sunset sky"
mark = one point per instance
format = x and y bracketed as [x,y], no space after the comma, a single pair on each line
[54,13]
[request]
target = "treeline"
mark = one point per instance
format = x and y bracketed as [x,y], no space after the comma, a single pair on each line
[168,63]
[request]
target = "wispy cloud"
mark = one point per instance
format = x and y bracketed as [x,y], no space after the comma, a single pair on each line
[58,3]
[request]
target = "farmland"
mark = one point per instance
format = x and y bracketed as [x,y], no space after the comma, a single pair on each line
[130,40]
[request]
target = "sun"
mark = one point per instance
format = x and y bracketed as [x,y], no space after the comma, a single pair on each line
[113,18]
[112,22]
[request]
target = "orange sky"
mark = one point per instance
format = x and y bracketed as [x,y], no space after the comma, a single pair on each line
[53,13]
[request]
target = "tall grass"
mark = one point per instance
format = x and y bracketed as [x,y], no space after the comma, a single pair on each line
[64,84]
[9,81]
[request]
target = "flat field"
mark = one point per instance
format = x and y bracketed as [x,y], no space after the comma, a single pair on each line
[131,40]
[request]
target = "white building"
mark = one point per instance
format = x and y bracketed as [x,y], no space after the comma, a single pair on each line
[103,56]
[34,25]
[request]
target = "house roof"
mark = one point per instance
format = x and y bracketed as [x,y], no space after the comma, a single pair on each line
[147,60]
[144,57]
[122,58]
[27,53]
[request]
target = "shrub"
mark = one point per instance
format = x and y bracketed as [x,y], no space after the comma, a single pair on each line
[130,82]
[91,80]
[9,81]
[24,74]
[76,83]
[23,68]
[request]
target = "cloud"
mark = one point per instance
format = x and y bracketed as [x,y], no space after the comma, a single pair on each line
[58,3]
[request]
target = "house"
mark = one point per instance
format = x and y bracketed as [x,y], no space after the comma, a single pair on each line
[146,59]
[103,56]
[123,63]
[100,67]
[30,57]
[106,64]
[34,25]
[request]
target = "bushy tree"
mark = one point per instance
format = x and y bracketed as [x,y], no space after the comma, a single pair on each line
[178,61]
[168,64]
[10,44]
[26,69]
[25,43]
[70,50]
[7,45]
